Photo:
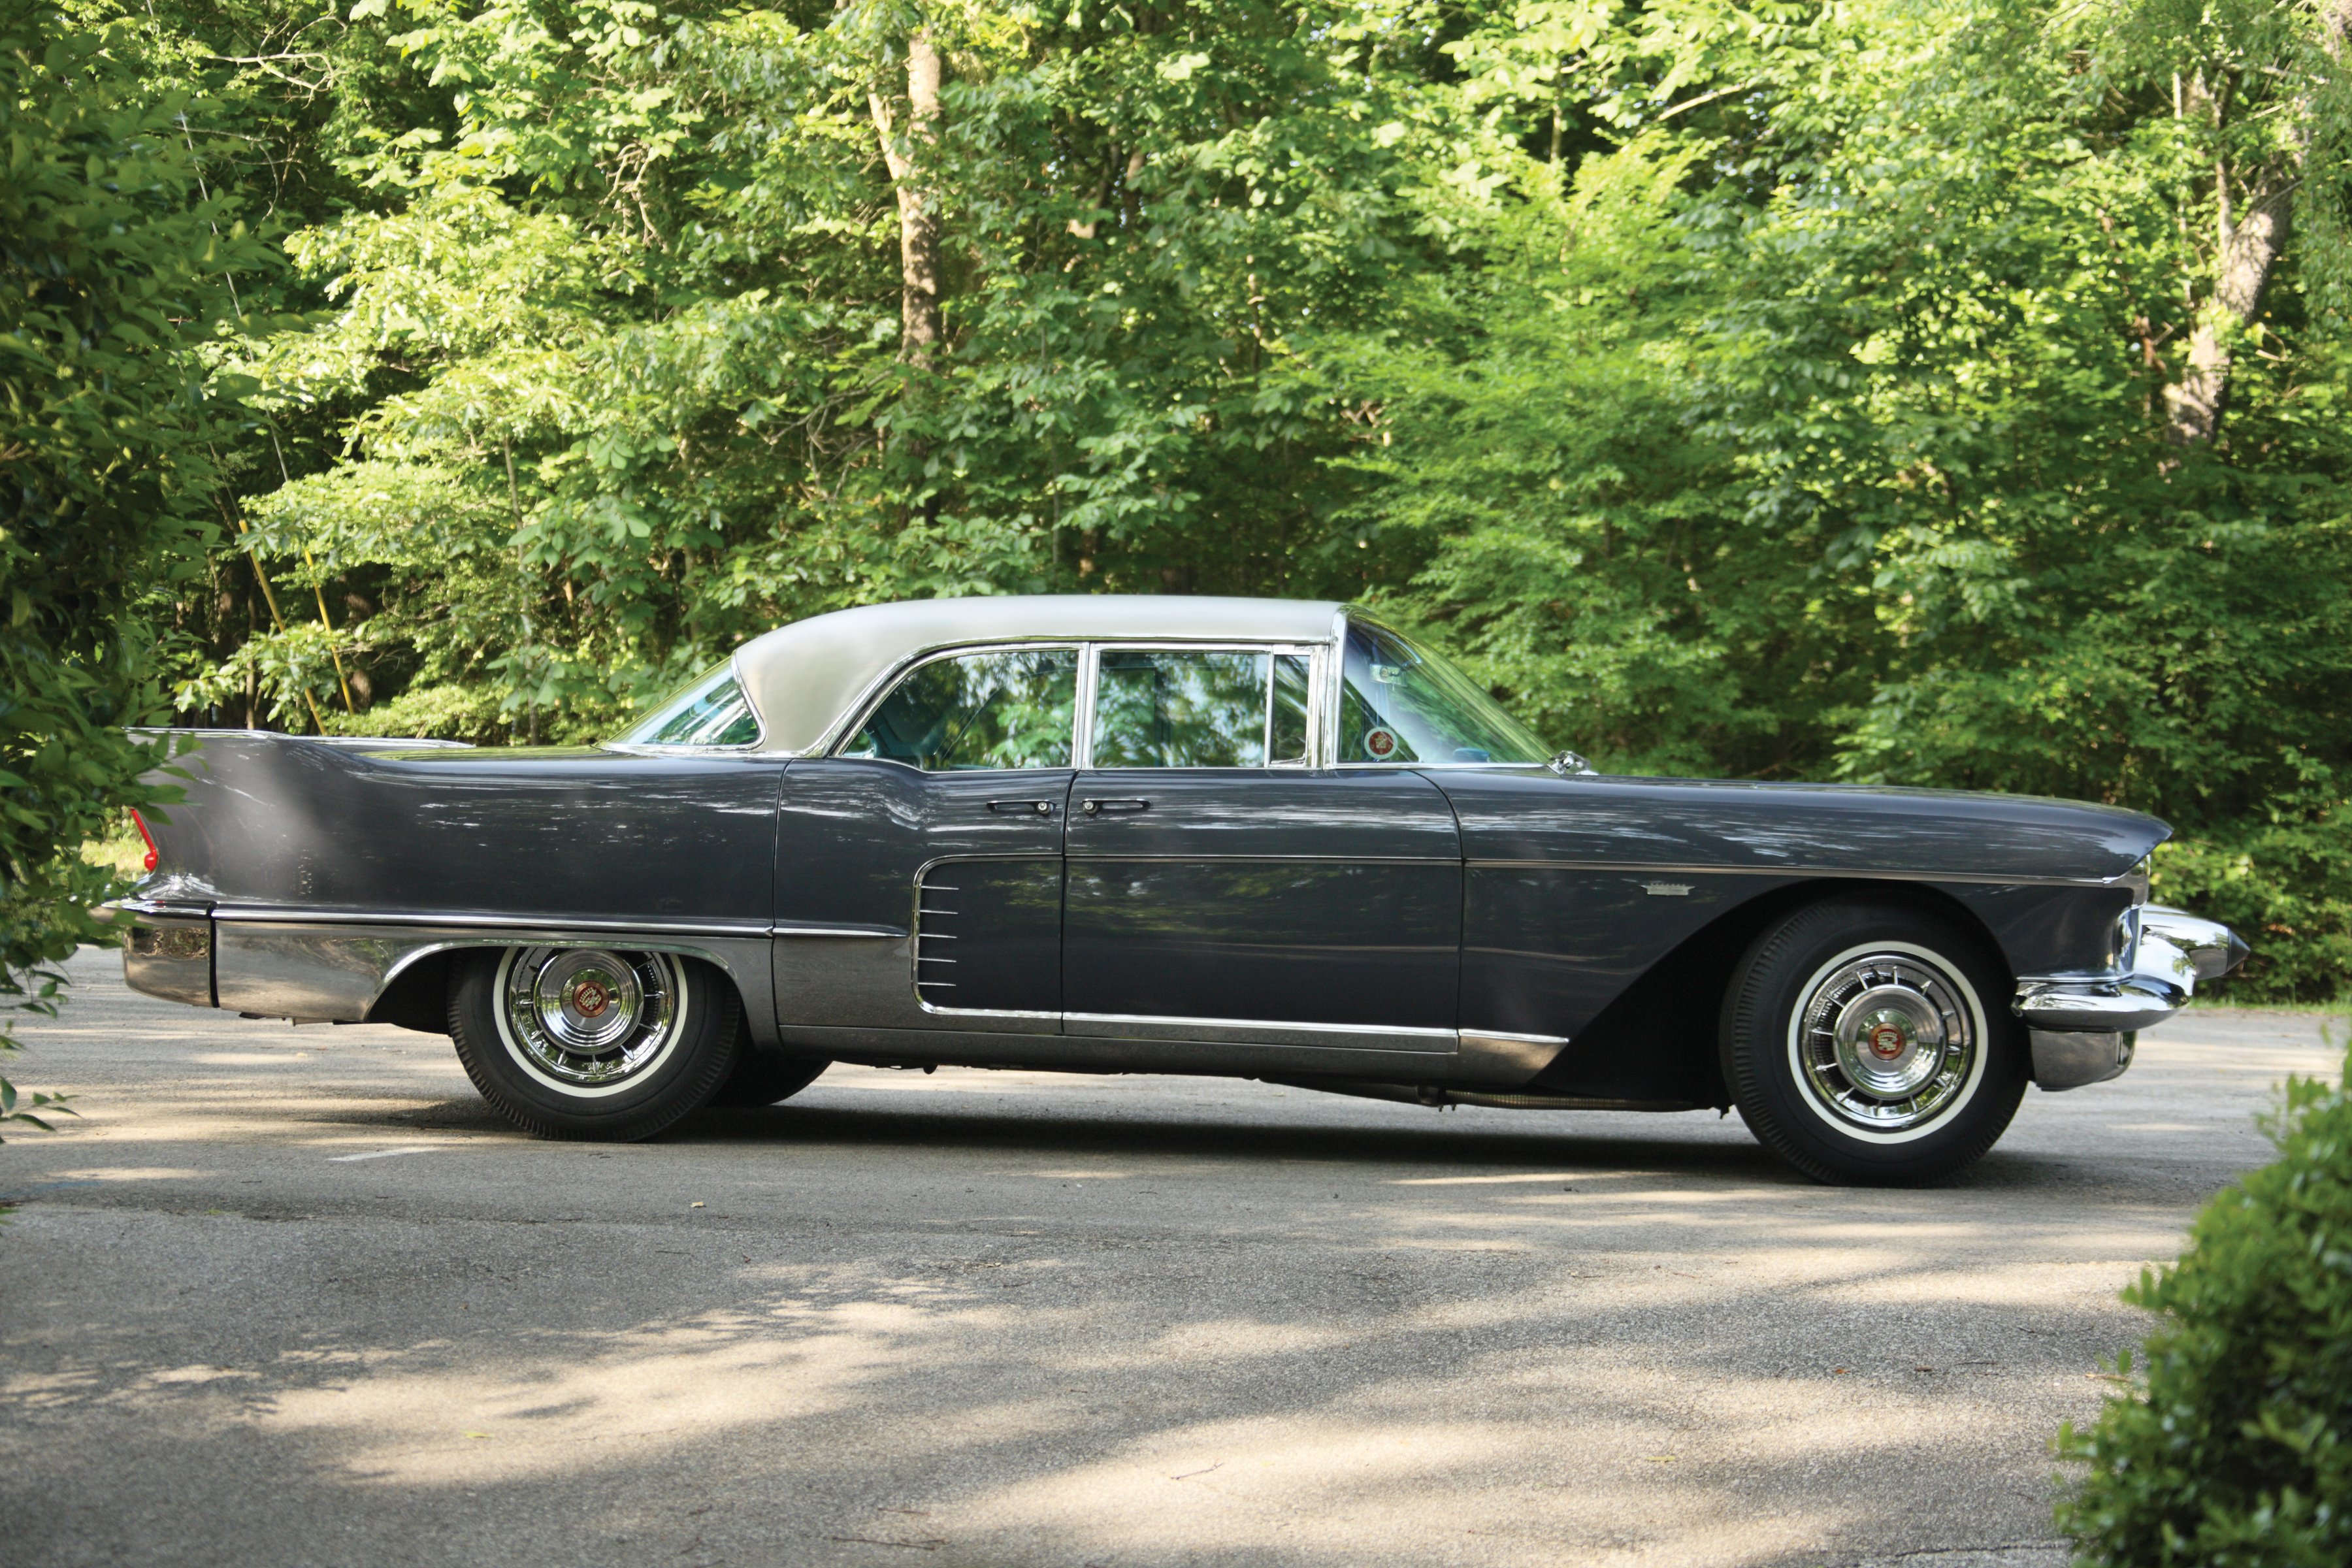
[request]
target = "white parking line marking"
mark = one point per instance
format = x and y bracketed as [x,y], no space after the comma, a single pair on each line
[376,1154]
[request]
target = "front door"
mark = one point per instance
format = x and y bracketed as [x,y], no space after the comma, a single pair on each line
[918,873]
[1219,888]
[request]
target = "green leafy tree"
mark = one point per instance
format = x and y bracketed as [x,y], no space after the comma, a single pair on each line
[1919,390]
[115,273]
[2236,1447]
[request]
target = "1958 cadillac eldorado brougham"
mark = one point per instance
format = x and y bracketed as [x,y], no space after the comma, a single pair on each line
[1250,838]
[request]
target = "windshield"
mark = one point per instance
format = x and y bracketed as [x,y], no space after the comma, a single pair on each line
[708,710]
[1401,703]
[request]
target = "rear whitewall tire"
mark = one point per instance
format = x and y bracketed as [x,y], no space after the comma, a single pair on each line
[559,1069]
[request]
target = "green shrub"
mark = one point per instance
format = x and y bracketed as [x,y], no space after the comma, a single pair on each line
[2236,1450]
[2287,887]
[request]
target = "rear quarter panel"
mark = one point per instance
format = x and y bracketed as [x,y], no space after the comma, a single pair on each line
[277,822]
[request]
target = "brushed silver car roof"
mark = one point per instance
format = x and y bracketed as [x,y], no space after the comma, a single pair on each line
[804,678]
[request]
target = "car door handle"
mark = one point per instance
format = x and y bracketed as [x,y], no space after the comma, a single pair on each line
[1102,808]
[1024,808]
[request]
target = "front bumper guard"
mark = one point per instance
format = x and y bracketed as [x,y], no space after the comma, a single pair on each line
[2084,1027]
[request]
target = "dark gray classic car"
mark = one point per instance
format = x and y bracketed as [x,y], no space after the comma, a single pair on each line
[1249,838]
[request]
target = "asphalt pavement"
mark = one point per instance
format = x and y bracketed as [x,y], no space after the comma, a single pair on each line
[294,1297]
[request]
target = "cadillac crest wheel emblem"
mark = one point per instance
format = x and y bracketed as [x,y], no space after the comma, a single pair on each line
[589,1017]
[1884,1042]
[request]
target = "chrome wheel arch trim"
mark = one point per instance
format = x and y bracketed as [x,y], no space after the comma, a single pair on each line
[338,968]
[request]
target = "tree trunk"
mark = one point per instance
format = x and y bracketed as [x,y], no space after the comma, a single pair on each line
[2247,247]
[918,223]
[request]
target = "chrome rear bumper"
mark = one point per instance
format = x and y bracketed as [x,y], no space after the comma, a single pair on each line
[2083,1025]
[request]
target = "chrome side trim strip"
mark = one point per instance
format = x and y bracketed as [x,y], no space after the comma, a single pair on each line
[1636,867]
[283,915]
[1515,1039]
[112,907]
[889,933]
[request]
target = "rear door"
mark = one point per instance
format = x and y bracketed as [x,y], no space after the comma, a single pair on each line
[918,873]
[1220,889]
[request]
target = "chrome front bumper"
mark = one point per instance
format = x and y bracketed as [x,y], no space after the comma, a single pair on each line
[2083,1026]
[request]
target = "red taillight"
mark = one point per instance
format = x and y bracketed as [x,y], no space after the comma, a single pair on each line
[150,837]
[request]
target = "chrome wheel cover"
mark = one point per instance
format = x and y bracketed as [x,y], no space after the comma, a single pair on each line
[589,1020]
[1886,1042]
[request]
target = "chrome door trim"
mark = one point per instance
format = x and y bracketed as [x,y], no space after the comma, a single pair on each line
[871,934]
[1082,747]
[1327,689]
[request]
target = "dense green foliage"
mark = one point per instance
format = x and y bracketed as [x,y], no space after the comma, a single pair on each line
[114,269]
[1925,391]
[2237,1448]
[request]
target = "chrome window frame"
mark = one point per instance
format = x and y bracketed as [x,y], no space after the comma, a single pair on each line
[1335,700]
[1315,654]
[881,690]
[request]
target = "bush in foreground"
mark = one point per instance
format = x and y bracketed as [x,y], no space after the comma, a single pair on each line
[2235,1452]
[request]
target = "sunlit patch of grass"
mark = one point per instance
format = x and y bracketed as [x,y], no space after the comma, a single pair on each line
[122,851]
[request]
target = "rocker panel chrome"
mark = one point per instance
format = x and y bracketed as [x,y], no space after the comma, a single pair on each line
[1260,1032]
[1505,1057]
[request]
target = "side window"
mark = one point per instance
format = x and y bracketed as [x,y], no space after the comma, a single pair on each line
[712,711]
[1161,708]
[1008,709]
[1398,704]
